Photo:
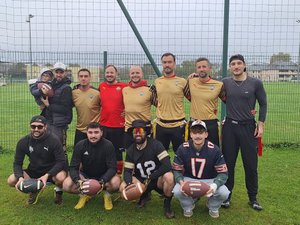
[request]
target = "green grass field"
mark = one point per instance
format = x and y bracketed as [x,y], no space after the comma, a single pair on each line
[278,193]
[283,125]
[278,174]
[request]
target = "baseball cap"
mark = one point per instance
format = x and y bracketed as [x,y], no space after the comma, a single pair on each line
[237,57]
[139,123]
[59,66]
[198,123]
[39,119]
[46,70]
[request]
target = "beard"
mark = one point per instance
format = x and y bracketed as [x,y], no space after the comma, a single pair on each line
[139,140]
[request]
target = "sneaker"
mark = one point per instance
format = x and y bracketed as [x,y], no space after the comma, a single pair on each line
[83,199]
[143,200]
[226,204]
[167,209]
[214,213]
[33,198]
[189,213]
[58,197]
[107,201]
[255,205]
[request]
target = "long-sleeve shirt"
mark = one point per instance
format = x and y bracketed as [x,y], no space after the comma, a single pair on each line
[206,163]
[46,155]
[95,160]
[152,161]
[241,98]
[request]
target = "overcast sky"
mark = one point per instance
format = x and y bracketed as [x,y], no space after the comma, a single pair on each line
[180,26]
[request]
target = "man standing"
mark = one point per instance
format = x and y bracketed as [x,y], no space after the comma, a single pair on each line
[59,107]
[147,161]
[170,115]
[93,158]
[58,111]
[86,99]
[137,99]
[112,112]
[200,160]
[203,91]
[46,159]
[240,129]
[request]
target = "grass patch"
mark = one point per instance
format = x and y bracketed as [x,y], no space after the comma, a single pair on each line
[278,194]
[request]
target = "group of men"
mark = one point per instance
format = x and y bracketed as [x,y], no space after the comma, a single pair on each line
[117,116]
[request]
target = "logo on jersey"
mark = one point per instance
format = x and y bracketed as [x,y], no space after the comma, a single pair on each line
[46,148]
[212,87]
[221,168]
[86,153]
[186,144]
[30,149]
[142,93]
[118,88]
[210,145]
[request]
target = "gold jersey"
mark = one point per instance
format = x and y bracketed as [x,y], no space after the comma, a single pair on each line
[204,98]
[170,104]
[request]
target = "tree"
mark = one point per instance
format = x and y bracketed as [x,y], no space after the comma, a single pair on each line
[284,57]
[185,68]
[74,65]
[17,70]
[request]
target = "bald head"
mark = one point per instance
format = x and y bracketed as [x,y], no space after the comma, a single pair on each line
[135,74]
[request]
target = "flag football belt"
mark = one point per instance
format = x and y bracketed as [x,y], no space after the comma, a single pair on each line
[240,122]
[171,121]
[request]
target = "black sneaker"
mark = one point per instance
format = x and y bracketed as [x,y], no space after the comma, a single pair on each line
[226,204]
[255,205]
[167,209]
[33,198]
[58,197]
[143,199]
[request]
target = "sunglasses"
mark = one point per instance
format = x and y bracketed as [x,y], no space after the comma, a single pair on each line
[138,130]
[39,127]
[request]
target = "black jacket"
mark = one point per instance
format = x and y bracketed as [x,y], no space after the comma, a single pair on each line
[46,155]
[59,112]
[97,161]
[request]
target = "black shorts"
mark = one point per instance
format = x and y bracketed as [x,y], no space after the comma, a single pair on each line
[89,177]
[35,174]
[151,186]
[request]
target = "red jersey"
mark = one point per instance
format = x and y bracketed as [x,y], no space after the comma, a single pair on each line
[112,106]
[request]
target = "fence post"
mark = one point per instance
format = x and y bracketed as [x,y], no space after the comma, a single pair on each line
[225,48]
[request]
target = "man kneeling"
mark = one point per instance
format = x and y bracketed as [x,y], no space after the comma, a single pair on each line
[149,162]
[200,160]
[46,157]
[93,158]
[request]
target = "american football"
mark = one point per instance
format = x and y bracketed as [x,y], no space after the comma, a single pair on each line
[195,189]
[91,187]
[50,92]
[133,191]
[30,185]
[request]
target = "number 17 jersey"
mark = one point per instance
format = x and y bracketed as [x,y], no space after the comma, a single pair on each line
[206,163]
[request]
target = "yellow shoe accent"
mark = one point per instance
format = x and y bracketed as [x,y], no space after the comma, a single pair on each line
[33,197]
[82,201]
[107,201]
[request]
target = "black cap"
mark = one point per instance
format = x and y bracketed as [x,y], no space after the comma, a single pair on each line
[139,123]
[237,57]
[39,119]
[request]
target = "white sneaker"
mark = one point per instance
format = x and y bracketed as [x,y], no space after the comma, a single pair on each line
[214,213]
[189,213]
